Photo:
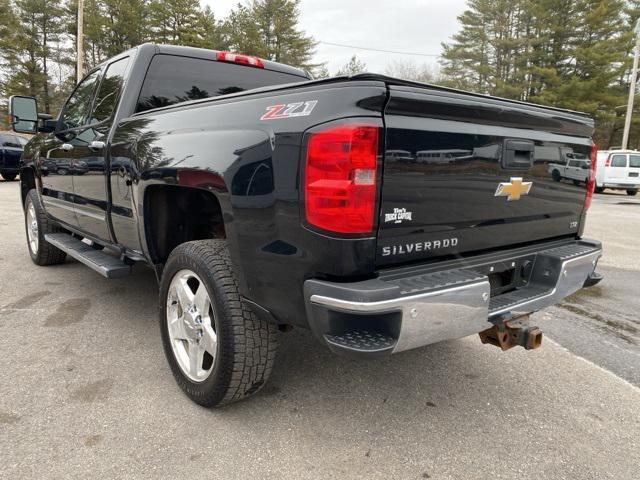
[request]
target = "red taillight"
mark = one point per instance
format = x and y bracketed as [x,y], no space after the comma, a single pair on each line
[340,178]
[241,59]
[591,184]
[608,162]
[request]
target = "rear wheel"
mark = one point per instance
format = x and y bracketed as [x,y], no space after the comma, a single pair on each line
[576,182]
[555,175]
[9,177]
[599,189]
[38,225]
[219,351]
[631,192]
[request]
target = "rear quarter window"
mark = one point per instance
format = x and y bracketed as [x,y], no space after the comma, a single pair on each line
[619,161]
[634,161]
[173,79]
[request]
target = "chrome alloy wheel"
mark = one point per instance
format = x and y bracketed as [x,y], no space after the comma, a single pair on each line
[32,229]
[191,326]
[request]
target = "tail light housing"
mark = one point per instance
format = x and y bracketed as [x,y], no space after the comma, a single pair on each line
[341,177]
[591,184]
[246,60]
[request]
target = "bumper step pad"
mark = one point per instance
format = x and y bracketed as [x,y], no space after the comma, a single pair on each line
[98,260]
[362,341]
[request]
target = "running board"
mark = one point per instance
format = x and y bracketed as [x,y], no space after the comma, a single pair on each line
[98,260]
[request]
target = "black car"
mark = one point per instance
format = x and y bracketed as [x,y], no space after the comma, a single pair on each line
[10,151]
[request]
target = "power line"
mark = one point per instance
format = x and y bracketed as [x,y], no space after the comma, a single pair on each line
[379,50]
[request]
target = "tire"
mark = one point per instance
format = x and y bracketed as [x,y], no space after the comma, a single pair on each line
[9,177]
[238,363]
[555,175]
[632,192]
[42,253]
[576,183]
[599,189]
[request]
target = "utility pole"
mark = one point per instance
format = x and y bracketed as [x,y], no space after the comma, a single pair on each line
[79,48]
[632,88]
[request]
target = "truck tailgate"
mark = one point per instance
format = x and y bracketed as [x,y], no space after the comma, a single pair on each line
[457,170]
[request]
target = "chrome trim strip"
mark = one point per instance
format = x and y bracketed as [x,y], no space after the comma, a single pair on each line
[383,305]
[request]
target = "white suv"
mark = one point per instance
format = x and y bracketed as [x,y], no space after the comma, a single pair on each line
[618,170]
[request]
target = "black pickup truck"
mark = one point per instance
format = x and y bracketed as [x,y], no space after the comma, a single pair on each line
[383,215]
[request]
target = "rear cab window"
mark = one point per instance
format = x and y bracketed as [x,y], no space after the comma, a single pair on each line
[173,79]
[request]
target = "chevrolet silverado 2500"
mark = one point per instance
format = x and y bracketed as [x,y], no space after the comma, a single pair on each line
[264,199]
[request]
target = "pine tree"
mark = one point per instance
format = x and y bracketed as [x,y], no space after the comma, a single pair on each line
[567,53]
[175,21]
[38,34]
[8,31]
[210,32]
[269,29]
[352,67]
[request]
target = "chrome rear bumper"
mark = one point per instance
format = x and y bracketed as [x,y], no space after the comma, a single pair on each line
[410,308]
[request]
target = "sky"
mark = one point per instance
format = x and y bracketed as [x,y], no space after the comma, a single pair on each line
[415,26]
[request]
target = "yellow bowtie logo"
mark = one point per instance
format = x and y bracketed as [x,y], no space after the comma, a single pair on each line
[514,189]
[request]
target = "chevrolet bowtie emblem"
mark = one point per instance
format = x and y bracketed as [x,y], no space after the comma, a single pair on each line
[514,189]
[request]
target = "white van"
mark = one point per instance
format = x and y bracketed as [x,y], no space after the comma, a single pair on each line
[618,170]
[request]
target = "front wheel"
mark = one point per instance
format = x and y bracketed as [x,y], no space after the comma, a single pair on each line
[632,192]
[555,175]
[219,351]
[9,177]
[38,225]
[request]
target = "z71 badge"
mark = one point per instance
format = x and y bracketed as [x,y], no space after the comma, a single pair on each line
[291,110]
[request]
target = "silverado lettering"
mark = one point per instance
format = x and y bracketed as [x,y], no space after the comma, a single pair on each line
[419,247]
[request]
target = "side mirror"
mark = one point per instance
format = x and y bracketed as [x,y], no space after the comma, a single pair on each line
[23,112]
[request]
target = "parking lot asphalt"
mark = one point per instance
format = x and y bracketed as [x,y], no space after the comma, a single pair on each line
[85,391]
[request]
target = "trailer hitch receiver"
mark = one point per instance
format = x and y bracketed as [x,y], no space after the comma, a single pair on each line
[511,332]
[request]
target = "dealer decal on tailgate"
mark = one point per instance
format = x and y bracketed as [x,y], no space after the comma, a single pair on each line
[292,110]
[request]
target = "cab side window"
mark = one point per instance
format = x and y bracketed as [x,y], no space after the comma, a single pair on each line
[109,91]
[77,107]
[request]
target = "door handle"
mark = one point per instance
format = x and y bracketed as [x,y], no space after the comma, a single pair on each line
[66,147]
[96,145]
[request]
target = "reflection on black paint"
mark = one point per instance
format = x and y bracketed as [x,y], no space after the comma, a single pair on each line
[253,179]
